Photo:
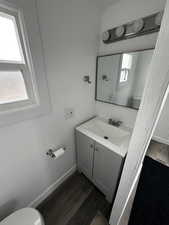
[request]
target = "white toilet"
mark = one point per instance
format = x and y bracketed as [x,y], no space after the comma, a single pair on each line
[25,216]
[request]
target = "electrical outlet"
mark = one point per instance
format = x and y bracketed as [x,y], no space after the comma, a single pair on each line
[69,113]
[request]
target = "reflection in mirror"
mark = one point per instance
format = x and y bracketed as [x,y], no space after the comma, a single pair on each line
[121,77]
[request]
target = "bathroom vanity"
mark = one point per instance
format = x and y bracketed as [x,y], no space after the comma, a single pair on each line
[101,150]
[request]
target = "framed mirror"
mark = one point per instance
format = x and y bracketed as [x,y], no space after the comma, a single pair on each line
[121,77]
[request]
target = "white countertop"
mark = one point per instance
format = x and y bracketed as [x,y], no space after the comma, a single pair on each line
[118,138]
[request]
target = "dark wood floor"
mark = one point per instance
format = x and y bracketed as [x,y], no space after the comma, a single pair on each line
[75,202]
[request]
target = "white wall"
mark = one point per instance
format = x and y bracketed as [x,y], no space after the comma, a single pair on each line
[69,32]
[119,13]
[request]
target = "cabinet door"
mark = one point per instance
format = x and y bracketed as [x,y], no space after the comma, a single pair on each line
[85,151]
[106,170]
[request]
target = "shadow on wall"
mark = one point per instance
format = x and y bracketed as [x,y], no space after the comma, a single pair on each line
[7,208]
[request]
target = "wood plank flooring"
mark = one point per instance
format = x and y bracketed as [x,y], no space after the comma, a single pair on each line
[75,202]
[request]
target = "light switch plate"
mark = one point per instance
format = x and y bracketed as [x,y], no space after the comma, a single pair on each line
[68,113]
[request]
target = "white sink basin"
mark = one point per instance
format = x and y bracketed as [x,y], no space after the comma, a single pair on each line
[116,139]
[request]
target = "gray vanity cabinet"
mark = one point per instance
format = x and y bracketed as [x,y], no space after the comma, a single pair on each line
[101,165]
[106,170]
[85,147]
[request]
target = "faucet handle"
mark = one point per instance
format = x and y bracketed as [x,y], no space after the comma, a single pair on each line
[119,123]
[116,123]
[110,120]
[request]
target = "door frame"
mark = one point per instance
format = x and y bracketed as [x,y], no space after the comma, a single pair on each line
[154,97]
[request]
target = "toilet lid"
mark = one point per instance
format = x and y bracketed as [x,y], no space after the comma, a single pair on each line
[26,216]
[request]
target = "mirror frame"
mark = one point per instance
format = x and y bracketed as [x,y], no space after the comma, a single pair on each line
[117,53]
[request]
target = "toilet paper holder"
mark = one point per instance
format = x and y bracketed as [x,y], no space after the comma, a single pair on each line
[51,152]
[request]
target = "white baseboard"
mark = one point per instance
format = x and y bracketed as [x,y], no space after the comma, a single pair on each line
[51,188]
[161,140]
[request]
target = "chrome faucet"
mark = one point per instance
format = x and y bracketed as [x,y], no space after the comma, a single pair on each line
[115,123]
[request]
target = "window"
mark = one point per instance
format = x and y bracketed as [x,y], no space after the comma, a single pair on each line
[23,94]
[9,40]
[16,84]
[12,87]
[125,67]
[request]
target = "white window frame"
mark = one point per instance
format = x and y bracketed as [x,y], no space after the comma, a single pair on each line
[38,102]
[25,67]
